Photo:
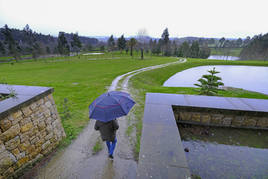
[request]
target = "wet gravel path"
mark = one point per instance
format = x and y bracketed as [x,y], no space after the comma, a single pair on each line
[78,161]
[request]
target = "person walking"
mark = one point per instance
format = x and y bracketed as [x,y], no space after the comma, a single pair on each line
[108,134]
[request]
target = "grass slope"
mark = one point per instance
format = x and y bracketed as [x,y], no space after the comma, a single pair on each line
[232,52]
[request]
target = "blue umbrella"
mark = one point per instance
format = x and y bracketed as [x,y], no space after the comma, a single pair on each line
[110,105]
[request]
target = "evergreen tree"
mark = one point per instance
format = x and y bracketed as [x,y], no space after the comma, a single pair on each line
[13,47]
[151,46]
[239,42]
[121,43]
[28,35]
[204,52]
[246,41]
[48,50]
[111,43]
[165,42]
[76,43]
[31,42]
[174,48]
[36,50]
[127,49]
[55,50]
[210,83]
[165,36]
[88,47]
[102,48]
[24,40]
[2,49]
[221,42]
[194,50]
[156,47]
[257,48]
[132,42]
[185,49]
[63,46]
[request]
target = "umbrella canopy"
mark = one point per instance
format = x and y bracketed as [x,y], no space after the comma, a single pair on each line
[110,105]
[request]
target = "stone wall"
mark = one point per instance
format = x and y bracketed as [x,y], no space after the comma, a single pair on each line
[28,133]
[218,117]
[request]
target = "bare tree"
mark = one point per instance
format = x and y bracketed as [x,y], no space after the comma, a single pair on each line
[131,43]
[141,37]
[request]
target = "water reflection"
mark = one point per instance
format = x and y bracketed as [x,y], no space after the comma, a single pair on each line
[108,171]
[221,153]
[209,160]
[222,57]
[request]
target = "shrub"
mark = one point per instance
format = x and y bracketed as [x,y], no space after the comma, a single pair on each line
[210,83]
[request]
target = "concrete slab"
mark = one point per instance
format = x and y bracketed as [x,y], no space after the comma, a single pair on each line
[215,102]
[257,104]
[162,145]
[161,151]
[168,99]
[23,90]
[237,103]
[158,114]
[208,102]
[153,170]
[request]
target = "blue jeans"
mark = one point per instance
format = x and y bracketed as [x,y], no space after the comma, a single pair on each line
[111,146]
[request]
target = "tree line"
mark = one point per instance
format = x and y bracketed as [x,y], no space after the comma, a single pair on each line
[257,48]
[163,46]
[15,43]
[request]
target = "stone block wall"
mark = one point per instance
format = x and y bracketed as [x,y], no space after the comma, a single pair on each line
[223,118]
[28,133]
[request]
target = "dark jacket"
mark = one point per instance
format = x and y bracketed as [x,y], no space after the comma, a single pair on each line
[107,129]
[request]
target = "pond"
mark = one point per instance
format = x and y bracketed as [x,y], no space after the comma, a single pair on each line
[93,53]
[250,78]
[222,57]
[225,152]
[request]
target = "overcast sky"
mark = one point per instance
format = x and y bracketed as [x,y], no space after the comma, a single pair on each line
[201,18]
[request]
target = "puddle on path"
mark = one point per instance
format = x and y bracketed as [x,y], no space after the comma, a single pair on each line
[225,152]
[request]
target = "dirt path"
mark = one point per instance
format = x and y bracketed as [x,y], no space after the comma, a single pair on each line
[77,160]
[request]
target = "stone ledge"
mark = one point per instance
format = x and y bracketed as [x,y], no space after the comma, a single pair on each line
[221,117]
[25,95]
[31,128]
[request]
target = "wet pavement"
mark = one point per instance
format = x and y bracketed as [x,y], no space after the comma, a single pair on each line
[78,161]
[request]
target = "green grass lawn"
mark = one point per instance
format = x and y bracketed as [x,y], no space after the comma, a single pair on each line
[152,81]
[78,79]
[233,52]
[6,58]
